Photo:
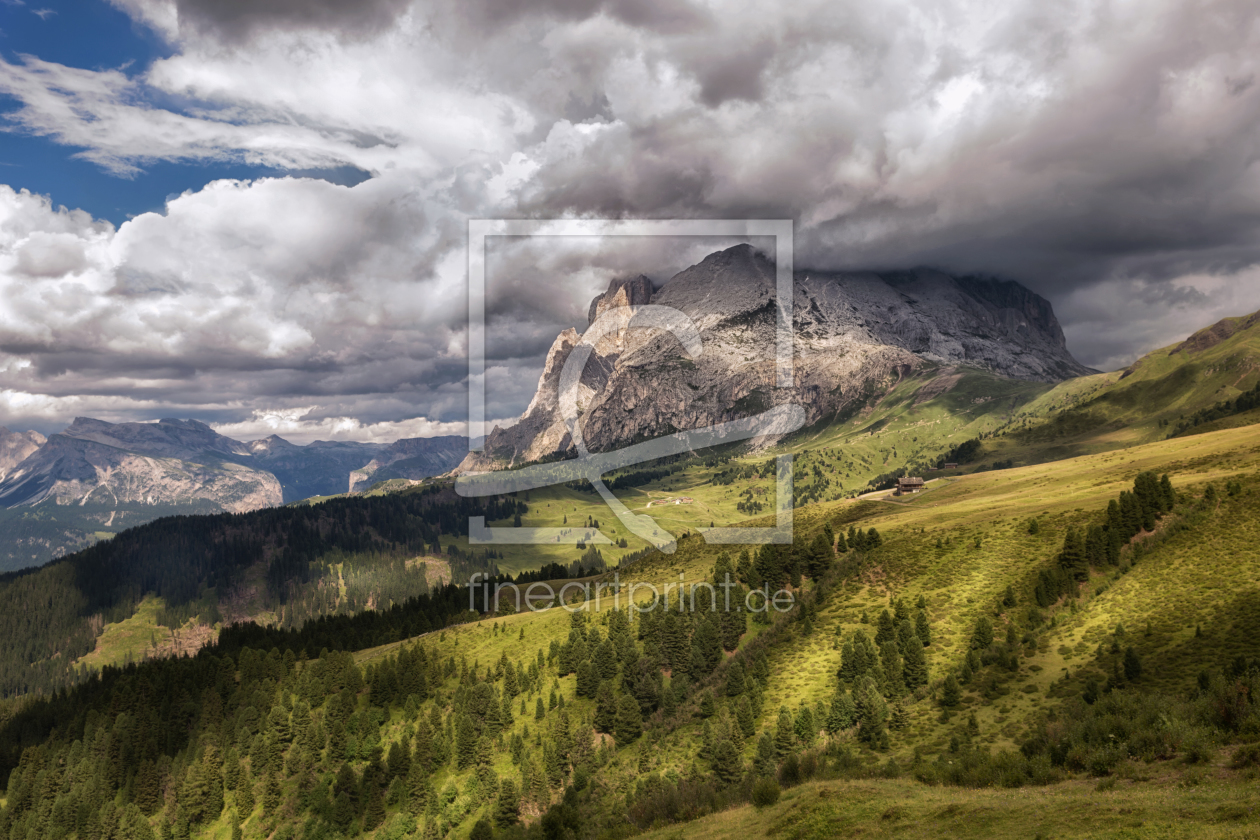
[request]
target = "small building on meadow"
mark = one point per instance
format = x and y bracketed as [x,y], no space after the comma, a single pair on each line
[909,484]
[950,466]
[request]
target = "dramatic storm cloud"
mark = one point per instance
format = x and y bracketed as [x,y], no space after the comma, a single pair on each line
[1102,153]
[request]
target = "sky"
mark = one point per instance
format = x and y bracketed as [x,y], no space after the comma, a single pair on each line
[254,212]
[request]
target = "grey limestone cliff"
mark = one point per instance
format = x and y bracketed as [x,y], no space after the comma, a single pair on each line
[851,331]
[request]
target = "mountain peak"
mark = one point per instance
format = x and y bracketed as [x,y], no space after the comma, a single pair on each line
[623,291]
[852,331]
[724,284]
[191,425]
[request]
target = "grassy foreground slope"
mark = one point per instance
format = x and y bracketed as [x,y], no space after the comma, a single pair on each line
[1168,809]
[1189,599]
[962,545]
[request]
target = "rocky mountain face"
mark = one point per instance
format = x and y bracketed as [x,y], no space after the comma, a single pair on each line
[96,478]
[412,459]
[165,463]
[856,334]
[15,447]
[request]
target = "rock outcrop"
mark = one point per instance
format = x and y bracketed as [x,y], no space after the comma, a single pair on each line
[15,447]
[855,334]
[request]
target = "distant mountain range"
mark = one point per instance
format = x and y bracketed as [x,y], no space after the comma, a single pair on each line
[95,478]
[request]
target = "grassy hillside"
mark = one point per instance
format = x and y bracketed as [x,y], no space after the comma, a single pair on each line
[1219,805]
[1182,597]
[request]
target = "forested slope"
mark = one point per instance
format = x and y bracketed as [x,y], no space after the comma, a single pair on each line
[295,563]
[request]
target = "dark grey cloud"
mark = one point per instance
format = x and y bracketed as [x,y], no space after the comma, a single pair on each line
[241,19]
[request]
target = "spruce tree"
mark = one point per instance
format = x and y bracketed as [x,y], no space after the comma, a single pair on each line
[1168,497]
[848,663]
[727,766]
[734,622]
[1132,664]
[245,796]
[922,628]
[899,718]
[193,794]
[374,815]
[820,556]
[900,611]
[587,680]
[465,742]
[606,660]
[914,667]
[744,717]
[907,637]
[508,808]
[804,726]
[147,788]
[399,760]
[271,793]
[872,711]
[343,811]
[951,694]
[982,638]
[886,630]
[417,787]
[629,724]
[891,663]
[784,734]
[605,709]
[1073,558]
[842,714]
[765,761]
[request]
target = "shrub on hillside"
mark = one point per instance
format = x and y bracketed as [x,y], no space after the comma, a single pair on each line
[765,792]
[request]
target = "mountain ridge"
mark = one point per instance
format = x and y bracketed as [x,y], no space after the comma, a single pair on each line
[95,477]
[854,331]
